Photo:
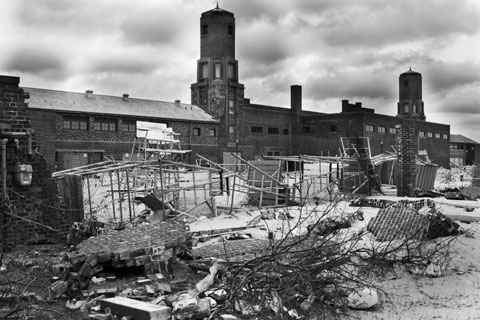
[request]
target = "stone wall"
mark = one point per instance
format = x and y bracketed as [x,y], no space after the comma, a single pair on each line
[32,211]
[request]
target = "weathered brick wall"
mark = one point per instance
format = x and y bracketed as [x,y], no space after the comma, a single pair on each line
[38,202]
[406,153]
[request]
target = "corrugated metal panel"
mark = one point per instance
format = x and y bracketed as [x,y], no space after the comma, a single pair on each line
[425,176]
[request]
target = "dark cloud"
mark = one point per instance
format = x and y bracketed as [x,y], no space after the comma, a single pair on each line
[444,76]
[59,15]
[373,85]
[367,25]
[33,60]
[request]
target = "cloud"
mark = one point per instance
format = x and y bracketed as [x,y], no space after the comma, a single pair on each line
[34,60]
[151,27]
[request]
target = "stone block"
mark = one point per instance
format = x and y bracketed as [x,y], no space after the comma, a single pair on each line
[139,310]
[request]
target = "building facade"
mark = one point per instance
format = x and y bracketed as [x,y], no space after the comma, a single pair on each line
[254,130]
[76,129]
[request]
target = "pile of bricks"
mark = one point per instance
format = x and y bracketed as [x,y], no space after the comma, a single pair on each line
[145,245]
[407,151]
[232,250]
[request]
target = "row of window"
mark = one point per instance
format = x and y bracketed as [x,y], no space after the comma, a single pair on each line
[421,134]
[198,132]
[380,129]
[218,70]
[99,124]
[285,131]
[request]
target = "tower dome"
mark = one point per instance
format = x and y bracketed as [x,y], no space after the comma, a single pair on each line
[410,103]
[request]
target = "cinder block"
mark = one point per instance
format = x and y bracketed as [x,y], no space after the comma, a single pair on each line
[139,310]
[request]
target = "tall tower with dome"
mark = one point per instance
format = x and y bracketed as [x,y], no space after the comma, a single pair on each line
[217,90]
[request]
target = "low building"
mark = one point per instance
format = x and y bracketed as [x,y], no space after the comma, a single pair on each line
[76,129]
[463,151]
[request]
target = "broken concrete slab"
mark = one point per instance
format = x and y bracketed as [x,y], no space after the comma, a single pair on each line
[140,310]
[470,193]
[398,223]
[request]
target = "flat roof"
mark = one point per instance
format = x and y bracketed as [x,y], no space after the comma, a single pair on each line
[115,105]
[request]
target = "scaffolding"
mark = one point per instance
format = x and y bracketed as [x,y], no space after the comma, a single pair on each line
[120,191]
[159,143]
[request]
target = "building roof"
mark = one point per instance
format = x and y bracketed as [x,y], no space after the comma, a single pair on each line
[217,9]
[458,138]
[410,71]
[95,103]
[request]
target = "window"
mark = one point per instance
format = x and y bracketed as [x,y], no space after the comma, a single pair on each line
[204,29]
[257,129]
[306,130]
[405,83]
[273,131]
[231,71]
[414,108]
[437,135]
[231,129]
[285,132]
[392,130]
[218,71]
[429,134]
[445,136]
[231,30]
[421,134]
[203,70]
[333,128]
[213,132]
[196,131]
[381,129]
[105,124]
[273,153]
[129,126]
[405,108]
[75,123]
[231,104]
[369,128]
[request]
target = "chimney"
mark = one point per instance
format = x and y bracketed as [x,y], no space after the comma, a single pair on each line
[88,93]
[177,101]
[358,104]
[296,98]
[125,97]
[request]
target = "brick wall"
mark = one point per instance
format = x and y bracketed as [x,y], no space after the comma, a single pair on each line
[38,202]
[406,152]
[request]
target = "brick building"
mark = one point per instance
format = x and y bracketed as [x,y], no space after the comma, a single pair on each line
[254,130]
[81,128]
[463,150]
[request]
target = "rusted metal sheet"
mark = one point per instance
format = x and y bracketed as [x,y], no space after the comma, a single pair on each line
[425,176]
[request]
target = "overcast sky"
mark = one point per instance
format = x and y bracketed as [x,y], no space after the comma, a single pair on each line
[335,49]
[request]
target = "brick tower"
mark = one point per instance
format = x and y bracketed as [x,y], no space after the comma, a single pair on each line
[217,90]
[410,104]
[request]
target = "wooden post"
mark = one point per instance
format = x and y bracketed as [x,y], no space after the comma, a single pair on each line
[89,197]
[128,194]
[119,195]
[161,187]
[194,188]
[113,197]
[261,192]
